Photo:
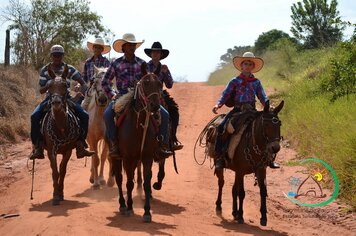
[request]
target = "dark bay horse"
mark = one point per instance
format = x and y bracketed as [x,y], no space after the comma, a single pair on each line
[137,140]
[61,130]
[259,143]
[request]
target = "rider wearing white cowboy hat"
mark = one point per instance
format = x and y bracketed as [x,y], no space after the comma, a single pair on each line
[119,69]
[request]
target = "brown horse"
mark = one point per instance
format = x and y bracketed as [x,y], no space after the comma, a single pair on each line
[96,132]
[258,146]
[137,140]
[61,131]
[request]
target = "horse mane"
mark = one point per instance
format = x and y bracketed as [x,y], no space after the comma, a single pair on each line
[124,101]
[171,104]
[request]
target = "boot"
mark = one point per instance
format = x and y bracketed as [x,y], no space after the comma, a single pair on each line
[163,151]
[37,153]
[81,151]
[177,146]
[114,149]
[219,164]
[274,165]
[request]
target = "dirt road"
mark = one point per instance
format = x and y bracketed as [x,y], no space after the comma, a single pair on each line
[184,206]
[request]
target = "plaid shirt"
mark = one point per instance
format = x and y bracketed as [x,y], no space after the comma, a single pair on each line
[88,73]
[243,94]
[165,78]
[73,74]
[126,74]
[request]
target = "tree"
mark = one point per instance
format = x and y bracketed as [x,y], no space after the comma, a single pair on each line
[232,52]
[316,23]
[42,23]
[268,38]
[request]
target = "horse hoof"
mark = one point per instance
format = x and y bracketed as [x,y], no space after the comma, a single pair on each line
[56,202]
[147,218]
[91,180]
[102,182]
[61,198]
[218,210]
[123,210]
[110,182]
[96,186]
[157,186]
[240,221]
[263,222]
[129,212]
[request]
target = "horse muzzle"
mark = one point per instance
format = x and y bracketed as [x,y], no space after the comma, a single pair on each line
[273,147]
[102,100]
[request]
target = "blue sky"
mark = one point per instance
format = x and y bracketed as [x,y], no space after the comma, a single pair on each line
[197,33]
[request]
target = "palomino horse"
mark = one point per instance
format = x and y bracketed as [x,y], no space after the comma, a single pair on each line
[259,143]
[137,140]
[61,131]
[96,132]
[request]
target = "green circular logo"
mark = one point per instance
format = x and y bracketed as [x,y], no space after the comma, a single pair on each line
[318,176]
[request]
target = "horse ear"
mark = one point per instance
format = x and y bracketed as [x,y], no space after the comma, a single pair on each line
[266,108]
[144,69]
[279,107]
[96,69]
[158,69]
[50,72]
[65,71]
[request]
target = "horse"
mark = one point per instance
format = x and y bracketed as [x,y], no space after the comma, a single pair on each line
[257,146]
[173,110]
[61,130]
[137,139]
[96,132]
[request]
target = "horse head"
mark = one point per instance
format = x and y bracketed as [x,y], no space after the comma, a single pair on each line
[58,88]
[271,127]
[149,89]
[96,89]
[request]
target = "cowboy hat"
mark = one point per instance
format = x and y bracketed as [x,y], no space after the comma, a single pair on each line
[157,46]
[100,42]
[126,38]
[248,56]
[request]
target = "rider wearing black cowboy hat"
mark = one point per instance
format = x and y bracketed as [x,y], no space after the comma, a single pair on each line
[157,53]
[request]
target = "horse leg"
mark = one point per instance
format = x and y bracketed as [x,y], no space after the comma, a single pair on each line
[105,153]
[160,175]
[130,174]
[261,178]
[221,182]
[102,163]
[55,176]
[147,176]
[139,175]
[95,165]
[117,170]
[62,173]
[240,192]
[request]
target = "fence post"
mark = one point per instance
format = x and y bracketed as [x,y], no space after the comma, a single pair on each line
[7,48]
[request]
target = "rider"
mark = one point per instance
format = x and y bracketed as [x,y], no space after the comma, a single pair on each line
[157,53]
[245,87]
[98,47]
[57,65]
[127,71]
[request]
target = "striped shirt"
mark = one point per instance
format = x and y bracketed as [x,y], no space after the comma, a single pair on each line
[243,94]
[73,74]
[88,73]
[165,78]
[126,74]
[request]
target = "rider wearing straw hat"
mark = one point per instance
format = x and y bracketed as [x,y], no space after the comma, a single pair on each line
[242,90]
[127,71]
[98,47]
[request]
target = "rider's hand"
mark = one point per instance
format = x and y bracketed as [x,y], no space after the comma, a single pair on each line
[113,98]
[215,109]
[164,69]
[77,88]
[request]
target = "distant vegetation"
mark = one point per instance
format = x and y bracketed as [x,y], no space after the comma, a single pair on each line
[316,77]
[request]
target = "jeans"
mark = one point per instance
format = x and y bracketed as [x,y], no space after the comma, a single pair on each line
[111,132]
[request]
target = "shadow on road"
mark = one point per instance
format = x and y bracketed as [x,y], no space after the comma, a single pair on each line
[61,210]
